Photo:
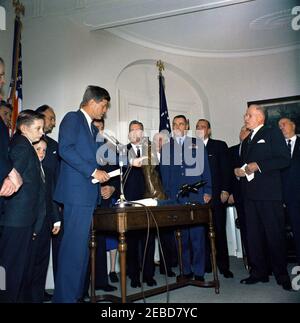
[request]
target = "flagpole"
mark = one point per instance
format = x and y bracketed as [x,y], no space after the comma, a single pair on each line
[19,11]
[161,66]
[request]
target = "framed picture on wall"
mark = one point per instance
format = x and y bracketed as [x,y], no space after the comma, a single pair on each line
[278,108]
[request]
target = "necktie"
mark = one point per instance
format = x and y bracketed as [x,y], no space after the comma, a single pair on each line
[94,131]
[180,141]
[138,152]
[43,174]
[289,144]
[250,136]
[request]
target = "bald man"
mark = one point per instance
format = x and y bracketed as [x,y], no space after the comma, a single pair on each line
[263,155]
[291,180]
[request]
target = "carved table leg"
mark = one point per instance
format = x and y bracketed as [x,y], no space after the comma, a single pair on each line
[178,238]
[122,248]
[212,236]
[93,247]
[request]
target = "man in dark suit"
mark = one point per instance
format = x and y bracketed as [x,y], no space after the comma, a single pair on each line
[291,180]
[184,161]
[264,155]
[134,190]
[51,162]
[75,190]
[236,197]
[219,165]
[10,180]
[24,211]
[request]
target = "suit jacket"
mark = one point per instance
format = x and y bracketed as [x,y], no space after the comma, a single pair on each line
[219,163]
[27,206]
[5,164]
[269,150]
[52,212]
[235,162]
[77,149]
[174,174]
[135,184]
[52,159]
[291,176]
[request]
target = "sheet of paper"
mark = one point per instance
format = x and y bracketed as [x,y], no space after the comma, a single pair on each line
[114,173]
[146,202]
[249,177]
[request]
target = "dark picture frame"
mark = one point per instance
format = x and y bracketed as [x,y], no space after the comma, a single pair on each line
[288,107]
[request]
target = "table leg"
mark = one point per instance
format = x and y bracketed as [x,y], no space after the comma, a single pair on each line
[178,238]
[212,235]
[122,248]
[93,247]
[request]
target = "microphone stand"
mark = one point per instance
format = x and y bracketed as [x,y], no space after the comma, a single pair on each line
[122,202]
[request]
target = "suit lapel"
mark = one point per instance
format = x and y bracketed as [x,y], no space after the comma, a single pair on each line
[296,148]
[254,140]
[87,129]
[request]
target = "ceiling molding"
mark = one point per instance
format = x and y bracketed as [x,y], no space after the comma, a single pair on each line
[201,53]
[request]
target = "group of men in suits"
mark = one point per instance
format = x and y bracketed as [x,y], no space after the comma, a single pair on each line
[261,163]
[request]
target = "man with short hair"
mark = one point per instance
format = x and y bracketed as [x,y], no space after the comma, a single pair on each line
[52,162]
[134,189]
[76,191]
[236,197]
[291,180]
[264,154]
[184,161]
[5,113]
[10,180]
[219,165]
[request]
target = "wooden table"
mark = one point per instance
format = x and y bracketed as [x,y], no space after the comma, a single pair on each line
[121,220]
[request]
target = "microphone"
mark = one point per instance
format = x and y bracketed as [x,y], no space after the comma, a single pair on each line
[185,189]
[111,139]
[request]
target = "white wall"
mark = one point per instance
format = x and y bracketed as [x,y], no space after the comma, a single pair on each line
[60,59]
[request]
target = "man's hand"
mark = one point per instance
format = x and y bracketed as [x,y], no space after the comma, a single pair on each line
[206,198]
[101,176]
[239,172]
[55,229]
[107,191]
[138,162]
[224,196]
[230,199]
[16,178]
[251,168]
[8,188]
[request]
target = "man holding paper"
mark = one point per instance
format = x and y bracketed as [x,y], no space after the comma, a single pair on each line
[75,190]
[263,154]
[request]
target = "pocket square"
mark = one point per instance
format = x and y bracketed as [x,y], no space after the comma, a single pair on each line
[261,141]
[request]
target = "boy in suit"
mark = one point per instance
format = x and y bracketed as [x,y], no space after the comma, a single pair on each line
[24,211]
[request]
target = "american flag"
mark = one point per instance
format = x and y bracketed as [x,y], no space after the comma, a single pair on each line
[164,120]
[15,97]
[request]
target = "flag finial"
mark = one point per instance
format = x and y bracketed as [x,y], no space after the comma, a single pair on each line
[160,65]
[19,8]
